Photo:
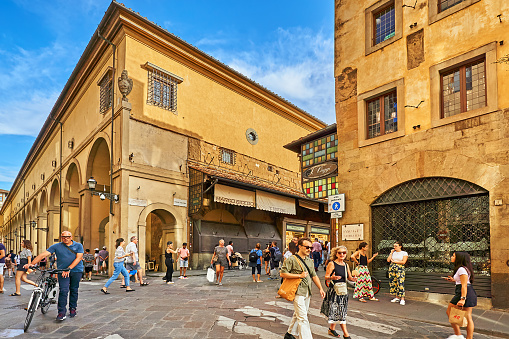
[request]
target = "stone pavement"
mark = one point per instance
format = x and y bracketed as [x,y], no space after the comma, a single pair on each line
[194,308]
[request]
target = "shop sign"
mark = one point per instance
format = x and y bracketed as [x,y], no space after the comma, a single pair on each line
[352,232]
[318,230]
[179,202]
[138,202]
[275,203]
[320,171]
[295,228]
[234,196]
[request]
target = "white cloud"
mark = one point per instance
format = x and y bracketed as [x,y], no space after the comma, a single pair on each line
[8,174]
[298,66]
[210,42]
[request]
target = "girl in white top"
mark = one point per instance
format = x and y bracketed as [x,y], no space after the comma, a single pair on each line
[398,259]
[465,295]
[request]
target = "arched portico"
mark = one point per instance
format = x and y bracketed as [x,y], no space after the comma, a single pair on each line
[71,198]
[54,212]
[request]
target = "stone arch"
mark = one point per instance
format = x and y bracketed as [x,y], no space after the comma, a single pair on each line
[72,180]
[43,202]
[104,236]
[54,196]
[71,199]
[100,150]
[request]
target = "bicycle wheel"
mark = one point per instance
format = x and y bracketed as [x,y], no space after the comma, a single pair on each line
[32,307]
[376,285]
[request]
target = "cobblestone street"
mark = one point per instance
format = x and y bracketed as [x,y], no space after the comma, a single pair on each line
[194,308]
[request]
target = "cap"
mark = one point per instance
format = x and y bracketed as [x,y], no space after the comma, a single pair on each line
[104,247]
[96,249]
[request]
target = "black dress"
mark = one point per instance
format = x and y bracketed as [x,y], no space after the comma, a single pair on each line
[168,261]
[334,306]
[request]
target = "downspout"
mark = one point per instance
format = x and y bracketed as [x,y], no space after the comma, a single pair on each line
[60,186]
[112,116]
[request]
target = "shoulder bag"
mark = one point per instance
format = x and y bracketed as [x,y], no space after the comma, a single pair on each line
[457,316]
[340,287]
[289,287]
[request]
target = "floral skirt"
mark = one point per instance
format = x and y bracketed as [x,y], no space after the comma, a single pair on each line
[334,306]
[397,280]
[363,288]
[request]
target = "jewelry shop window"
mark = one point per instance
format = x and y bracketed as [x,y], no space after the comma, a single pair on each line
[162,88]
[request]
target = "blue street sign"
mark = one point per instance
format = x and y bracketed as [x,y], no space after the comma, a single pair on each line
[336,206]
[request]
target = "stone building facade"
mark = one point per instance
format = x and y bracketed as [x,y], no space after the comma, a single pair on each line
[422,123]
[180,98]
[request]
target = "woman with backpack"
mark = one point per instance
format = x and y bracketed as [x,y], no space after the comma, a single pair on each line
[255,261]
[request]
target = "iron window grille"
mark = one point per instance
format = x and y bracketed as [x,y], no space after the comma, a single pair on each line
[463,88]
[446,4]
[227,156]
[196,180]
[106,92]
[382,115]
[384,24]
[162,90]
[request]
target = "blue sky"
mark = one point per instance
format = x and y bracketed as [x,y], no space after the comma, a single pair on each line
[285,45]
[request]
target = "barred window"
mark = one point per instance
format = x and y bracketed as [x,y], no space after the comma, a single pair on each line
[446,4]
[106,93]
[384,24]
[227,156]
[162,90]
[382,115]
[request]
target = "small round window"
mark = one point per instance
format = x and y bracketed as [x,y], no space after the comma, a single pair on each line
[252,136]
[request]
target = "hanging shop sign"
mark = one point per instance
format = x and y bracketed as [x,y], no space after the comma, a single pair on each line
[321,170]
[295,228]
[233,196]
[275,203]
[352,232]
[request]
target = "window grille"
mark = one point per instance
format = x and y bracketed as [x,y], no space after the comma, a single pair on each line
[382,115]
[384,24]
[227,156]
[106,92]
[162,90]
[196,179]
[446,4]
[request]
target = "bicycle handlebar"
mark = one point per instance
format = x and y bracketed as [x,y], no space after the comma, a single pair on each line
[50,271]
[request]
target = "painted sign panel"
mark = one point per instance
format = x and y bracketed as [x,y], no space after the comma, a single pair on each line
[320,171]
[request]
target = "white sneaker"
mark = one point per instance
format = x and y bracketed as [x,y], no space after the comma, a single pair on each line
[181,277]
[170,282]
[402,302]
[395,300]
[454,336]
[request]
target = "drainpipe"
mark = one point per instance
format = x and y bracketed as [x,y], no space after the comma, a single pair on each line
[112,115]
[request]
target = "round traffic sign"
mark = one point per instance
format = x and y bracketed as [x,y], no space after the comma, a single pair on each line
[336,206]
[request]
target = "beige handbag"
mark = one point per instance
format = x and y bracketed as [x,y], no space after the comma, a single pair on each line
[457,317]
[340,288]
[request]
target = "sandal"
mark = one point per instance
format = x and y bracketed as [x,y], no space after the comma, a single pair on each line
[123,286]
[373,299]
[362,300]
[144,284]
[15,295]
[105,292]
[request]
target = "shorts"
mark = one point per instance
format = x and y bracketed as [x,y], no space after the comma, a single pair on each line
[471,300]
[258,268]
[267,258]
[101,263]
[222,262]
[184,263]
[22,263]
[42,264]
[131,266]
[88,269]
[2,268]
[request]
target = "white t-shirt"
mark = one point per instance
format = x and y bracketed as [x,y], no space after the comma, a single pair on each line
[461,271]
[398,256]
[131,248]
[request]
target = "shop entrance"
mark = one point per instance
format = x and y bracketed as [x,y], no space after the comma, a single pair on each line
[433,217]
[160,228]
[323,234]
[294,231]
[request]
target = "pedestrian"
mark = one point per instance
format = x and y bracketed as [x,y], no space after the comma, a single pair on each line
[223,259]
[8,266]
[69,255]
[25,258]
[2,265]
[464,294]
[88,263]
[168,261]
[363,287]
[316,254]
[229,247]
[397,259]
[103,260]
[184,260]
[335,304]
[256,264]
[42,264]
[132,262]
[118,264]
[12,260]
[96,261]
[293,268]
[275,259]
[266,259]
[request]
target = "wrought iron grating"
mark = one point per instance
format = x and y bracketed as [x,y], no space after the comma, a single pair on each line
[428,188]
[106,92]
[162,90]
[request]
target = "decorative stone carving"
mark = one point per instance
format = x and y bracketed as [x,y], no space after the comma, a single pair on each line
[125,85]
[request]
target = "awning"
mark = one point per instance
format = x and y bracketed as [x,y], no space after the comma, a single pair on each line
[312,205]
[234,196]
[275,203]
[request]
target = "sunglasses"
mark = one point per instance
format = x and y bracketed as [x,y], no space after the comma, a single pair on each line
[307,247]
[66,236]
[341,252]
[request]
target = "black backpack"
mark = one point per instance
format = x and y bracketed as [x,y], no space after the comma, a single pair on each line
[253,257]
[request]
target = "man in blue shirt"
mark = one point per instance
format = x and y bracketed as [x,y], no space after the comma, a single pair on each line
[69,255]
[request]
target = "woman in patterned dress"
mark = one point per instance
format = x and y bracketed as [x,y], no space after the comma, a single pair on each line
[363,288]
[335,306]
[398,259]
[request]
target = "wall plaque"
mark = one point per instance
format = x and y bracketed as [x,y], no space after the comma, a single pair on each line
[320,171]
[352,232]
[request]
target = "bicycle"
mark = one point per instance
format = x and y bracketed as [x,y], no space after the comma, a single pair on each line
[44,295]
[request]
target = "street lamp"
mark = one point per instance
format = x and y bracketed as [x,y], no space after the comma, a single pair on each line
[102,195]
[33,223]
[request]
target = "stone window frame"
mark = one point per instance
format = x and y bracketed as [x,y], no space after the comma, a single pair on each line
[435,16]
[227,156]
[369,29]
[106,84]
[490,53]
[362,99]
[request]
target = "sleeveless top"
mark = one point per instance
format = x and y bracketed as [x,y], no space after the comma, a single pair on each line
[339,271]
[168,256]
[363,260]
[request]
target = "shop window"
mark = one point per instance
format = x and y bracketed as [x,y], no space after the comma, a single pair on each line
[227,156]
[439,9]
[464,87]
[106,91]
[162,88]
[381,113]
[383,24]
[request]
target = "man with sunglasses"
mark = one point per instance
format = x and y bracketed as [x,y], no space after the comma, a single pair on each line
[298,266]
[69,255]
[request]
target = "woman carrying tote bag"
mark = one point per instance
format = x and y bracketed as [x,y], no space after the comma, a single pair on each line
[335,304]
[465,296]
